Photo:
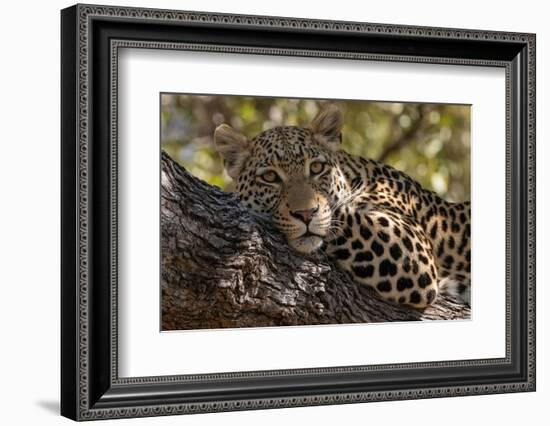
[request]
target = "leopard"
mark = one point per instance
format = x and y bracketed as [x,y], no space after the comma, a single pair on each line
[373,221]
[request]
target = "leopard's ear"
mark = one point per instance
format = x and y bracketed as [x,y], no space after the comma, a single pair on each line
[327,126]
[233,147]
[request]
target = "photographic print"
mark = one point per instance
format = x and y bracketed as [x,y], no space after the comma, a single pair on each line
[281,211]
[296,192]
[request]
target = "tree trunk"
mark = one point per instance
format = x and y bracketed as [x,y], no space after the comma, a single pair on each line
[224,266]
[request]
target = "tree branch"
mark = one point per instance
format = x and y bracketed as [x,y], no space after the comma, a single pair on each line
[408,136]
[223,266]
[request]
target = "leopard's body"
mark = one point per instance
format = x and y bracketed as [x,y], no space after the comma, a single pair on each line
[374,221]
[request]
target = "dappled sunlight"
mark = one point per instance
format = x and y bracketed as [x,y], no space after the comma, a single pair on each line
[430,142]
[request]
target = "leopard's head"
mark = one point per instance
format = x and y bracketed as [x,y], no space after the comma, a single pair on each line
[289,173]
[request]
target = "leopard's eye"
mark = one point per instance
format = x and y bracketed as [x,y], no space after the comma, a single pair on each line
[270,176]
[316,167]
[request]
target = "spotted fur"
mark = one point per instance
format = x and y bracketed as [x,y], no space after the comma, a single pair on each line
[374,221]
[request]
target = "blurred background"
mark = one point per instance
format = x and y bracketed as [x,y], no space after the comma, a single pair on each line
[430,142]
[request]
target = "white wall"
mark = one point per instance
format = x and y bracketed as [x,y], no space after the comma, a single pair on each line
[29,211]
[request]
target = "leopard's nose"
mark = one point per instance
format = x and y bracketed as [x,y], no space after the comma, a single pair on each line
[305,215]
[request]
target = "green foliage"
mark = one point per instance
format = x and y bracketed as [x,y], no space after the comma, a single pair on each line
[430,142]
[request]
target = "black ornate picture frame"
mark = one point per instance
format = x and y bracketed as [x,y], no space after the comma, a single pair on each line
[90,384]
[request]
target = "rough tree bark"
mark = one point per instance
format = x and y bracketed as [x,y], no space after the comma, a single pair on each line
[223,266]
